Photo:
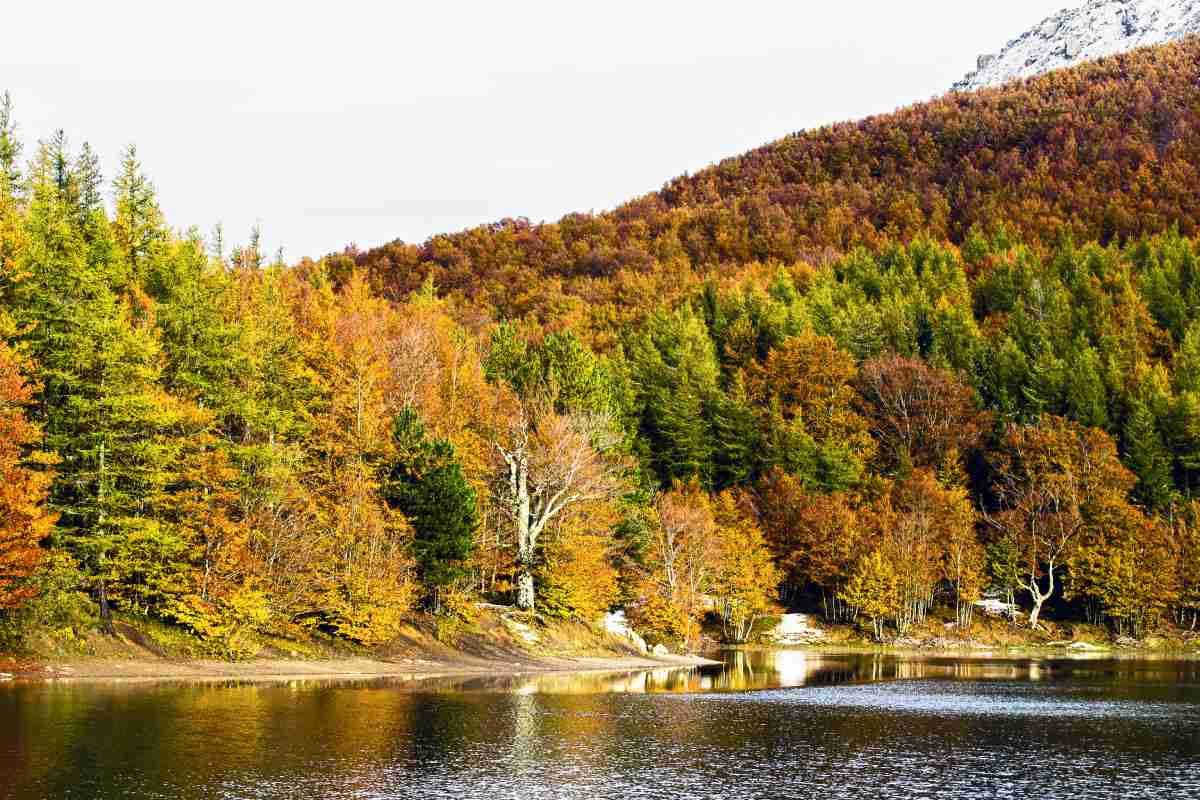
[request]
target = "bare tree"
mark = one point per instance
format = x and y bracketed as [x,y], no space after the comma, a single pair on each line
[552,463]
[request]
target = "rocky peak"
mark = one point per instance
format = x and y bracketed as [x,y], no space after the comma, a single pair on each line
[1096,29]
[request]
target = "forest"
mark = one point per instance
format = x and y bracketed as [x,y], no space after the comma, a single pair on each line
[878,369]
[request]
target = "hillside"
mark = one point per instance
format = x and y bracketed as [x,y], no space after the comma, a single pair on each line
[1105,151]
[1096,29]
[875,370]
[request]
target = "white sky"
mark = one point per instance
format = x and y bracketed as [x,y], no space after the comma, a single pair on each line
[330,123]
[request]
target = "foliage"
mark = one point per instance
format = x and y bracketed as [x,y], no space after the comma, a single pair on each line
[427,485]
[886,364]
[24,518]
[873,590]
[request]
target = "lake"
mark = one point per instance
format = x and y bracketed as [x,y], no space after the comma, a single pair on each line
[784,724]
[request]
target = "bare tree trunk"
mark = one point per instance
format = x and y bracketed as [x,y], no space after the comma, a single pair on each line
[106,622]
[525,589]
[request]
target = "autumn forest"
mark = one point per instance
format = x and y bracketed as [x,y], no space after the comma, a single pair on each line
[879,369]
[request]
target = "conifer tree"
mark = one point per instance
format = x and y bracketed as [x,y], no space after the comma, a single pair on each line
[10,147]
[1147,456]
[99,406]
[426,484]
[138,227]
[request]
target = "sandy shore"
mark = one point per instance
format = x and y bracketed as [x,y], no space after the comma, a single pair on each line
[129,670]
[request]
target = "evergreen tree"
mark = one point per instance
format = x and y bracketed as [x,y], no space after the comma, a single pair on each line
[735,437]
[1147,456]
[99,406]
[427,485]
[10,147]
[138,226]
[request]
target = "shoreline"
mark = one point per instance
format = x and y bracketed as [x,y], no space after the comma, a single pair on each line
[134,670]
[99,670]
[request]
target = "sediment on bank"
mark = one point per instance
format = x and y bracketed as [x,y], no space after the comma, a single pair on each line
[499,642]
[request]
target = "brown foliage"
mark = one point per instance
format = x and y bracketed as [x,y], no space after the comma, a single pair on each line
[921,416]
[1103,151]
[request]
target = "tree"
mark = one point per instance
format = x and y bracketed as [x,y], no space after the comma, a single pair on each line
[364,578]
[552,464]
[816,538]
[922,417]
[138,225]
[99,405]
[1185,532]
[24,518]
[675,383]
[806,401]
[926,528]
[746,578]
[1122,567]
[1148,458]
[873,590]
[577,577]
[557,450]
[426,484]
[1050,478]
[10,147]
[683,558]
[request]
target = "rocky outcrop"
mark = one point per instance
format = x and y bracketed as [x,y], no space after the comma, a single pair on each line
[1094,30]
[615,623]
[796,629]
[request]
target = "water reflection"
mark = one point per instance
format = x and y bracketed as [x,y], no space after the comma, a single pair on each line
[763,724]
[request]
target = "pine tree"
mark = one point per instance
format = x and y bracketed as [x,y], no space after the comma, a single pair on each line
[99,406]
[735,437]
[1147,455]
[138,227]
[10,147]
[426,484]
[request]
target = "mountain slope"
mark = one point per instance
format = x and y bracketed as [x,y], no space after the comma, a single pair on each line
[1105,151]
[1096,29]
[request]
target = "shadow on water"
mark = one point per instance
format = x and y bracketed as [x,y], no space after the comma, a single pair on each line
[762,724]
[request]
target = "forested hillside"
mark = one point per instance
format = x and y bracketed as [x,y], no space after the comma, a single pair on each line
[1103,152]
[884,367]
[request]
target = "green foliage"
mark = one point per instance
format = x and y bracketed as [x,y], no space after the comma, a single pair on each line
[427,485]
[560,371]
[227,431]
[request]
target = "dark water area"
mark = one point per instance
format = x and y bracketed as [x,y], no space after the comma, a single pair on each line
[787,724]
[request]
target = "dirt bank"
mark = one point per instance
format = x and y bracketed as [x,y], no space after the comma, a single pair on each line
[496,644]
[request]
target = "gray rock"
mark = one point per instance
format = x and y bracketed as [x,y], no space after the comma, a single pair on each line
[1094,29]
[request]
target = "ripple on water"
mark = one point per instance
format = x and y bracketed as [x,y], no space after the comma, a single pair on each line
[1082,739]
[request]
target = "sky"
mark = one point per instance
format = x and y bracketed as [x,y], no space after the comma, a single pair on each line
[362,122]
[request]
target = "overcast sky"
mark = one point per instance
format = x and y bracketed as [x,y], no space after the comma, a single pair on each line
[364,122]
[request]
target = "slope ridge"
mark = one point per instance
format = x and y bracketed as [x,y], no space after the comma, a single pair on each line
[1096,29]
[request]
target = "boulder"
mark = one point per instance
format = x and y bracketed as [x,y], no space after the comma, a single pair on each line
[616,624]
[660,650]
[995,607]
[796,629]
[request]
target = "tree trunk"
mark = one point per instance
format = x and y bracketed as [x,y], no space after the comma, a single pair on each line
[106,623]
[1039,597]
[525,588]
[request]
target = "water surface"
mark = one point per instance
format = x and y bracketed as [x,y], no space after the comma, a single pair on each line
[788,724]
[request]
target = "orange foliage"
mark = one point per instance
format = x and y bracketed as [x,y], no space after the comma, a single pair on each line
[24,519]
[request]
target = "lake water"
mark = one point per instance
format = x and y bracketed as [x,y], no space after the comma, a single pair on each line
[788,724]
